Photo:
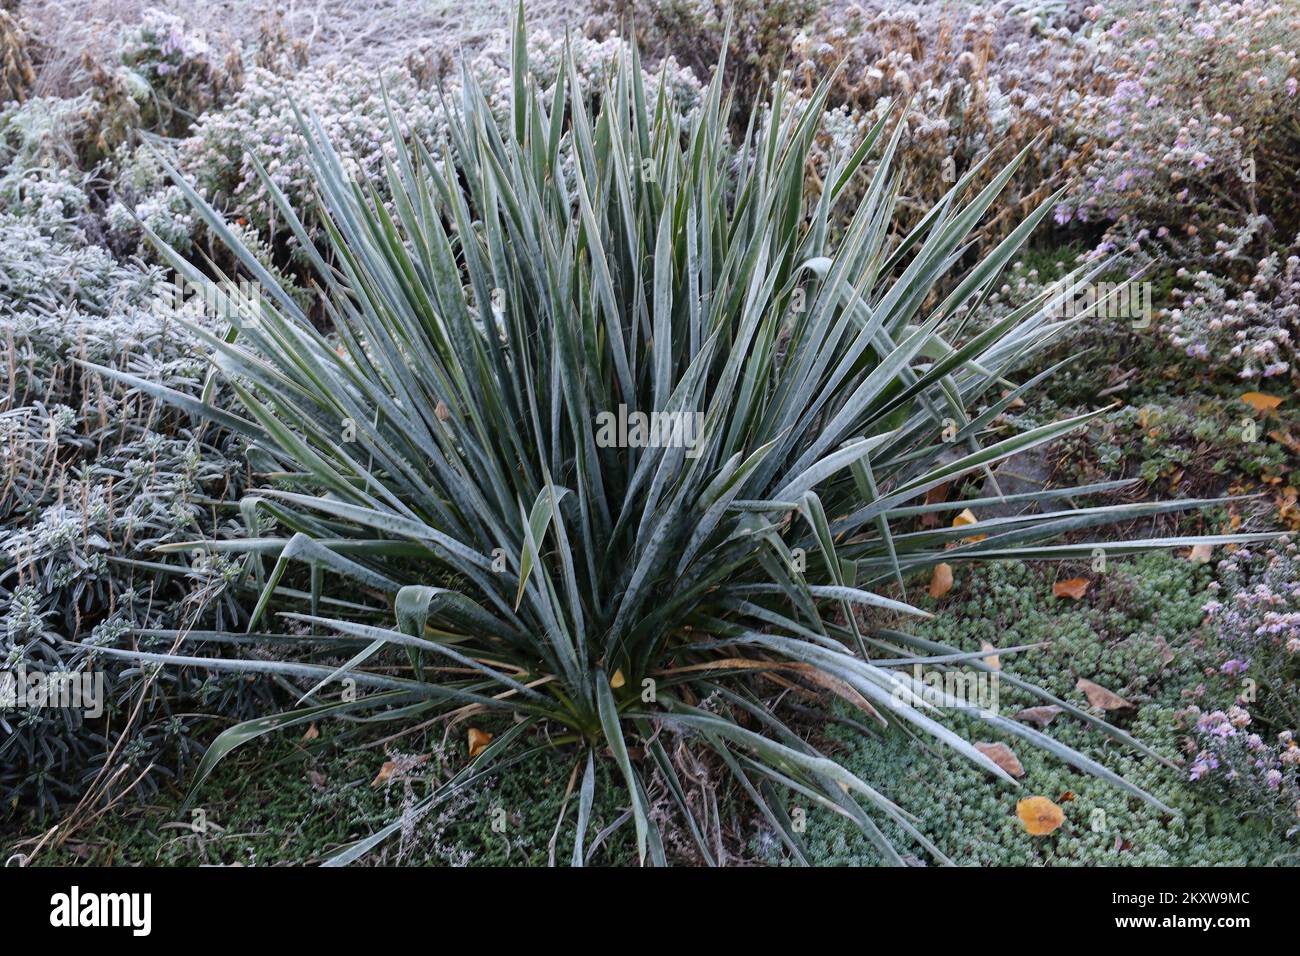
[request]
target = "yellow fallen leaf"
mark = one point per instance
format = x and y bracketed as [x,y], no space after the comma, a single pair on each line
[967,517]
[617,680]
[1003,756]
[1099,696]
[478,741]
[1073,588]
[1200,553]
[1039,815]
[940,580]
[1261,402]
[992,660]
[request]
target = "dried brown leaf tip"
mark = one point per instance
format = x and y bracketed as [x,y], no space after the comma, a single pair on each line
[1003,756]
[1042,716]
[1099,696]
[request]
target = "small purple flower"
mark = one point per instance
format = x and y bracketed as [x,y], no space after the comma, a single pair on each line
[1234,666]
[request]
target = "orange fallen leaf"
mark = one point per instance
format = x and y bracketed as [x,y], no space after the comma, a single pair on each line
[1073,588]
[1003,756]
[442,411]
[478,741]
[940,580]
[992,660]
[385,773]
[1039,815]
[617,680]
[966,517]
[1099,696]
[1042,716]
[311,734]
[1200,553]
[1261,402]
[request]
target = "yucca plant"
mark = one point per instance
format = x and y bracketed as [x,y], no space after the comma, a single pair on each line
[457,497]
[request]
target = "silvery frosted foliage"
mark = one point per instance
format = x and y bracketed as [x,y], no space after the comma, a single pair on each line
[147,198]
[1256,615]
[981,85]
[1252,329]
[1249,747]
[1194,133]
[172,71]
[143,194]
[595,60]
[93,477]
[40,184]
[41,270]
[42,131]
[349,102]
[758,41]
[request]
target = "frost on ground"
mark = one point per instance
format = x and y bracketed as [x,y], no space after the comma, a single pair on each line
[332,31]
